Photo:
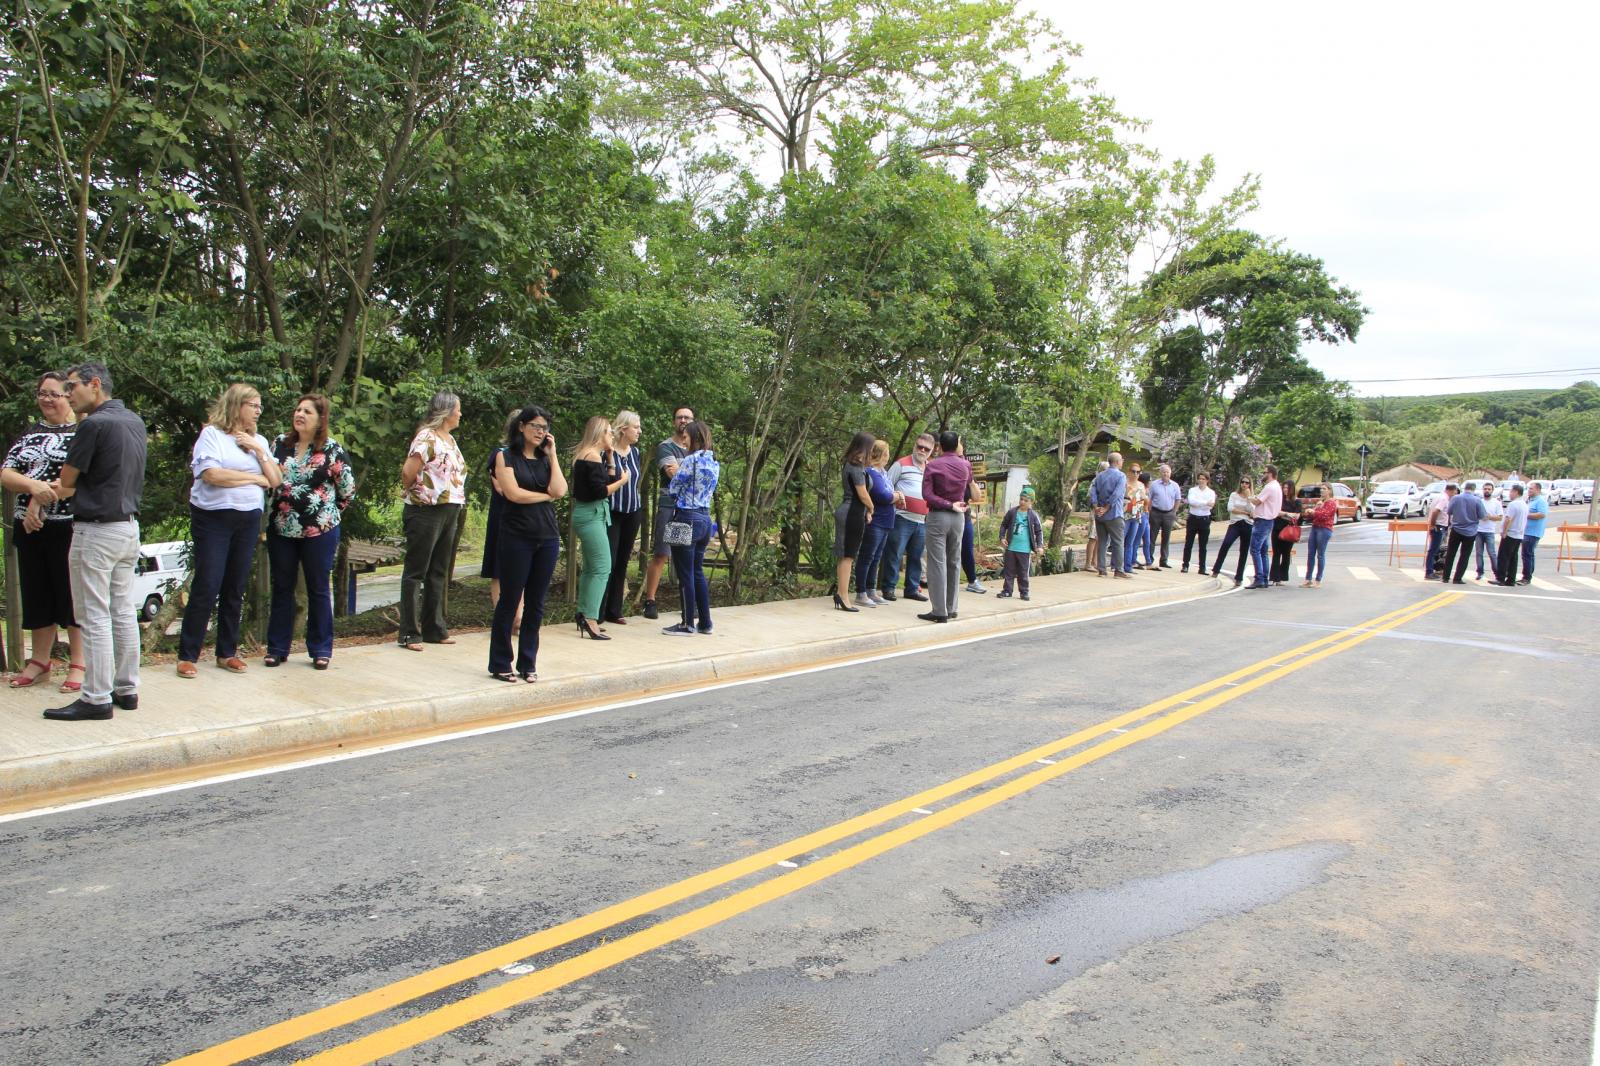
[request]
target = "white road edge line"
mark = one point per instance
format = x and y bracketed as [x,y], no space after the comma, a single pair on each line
[1519,597]
[479,731]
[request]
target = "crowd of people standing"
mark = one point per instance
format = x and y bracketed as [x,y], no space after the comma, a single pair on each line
[902,529]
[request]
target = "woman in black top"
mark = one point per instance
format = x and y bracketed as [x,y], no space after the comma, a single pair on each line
[1282,550]
[627,512]
[850,518]
[594,478]
[529,477]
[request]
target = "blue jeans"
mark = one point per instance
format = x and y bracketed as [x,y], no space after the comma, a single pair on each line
[868,558]
[688,563]
[969,555]
[1261,549]
[224,547]
[525,567]
[1135,534]
[289,557]
[1529,546]
[1317,556]
[1485,544]
[906,539]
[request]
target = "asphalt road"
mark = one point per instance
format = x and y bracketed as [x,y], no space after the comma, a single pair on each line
[1384,853]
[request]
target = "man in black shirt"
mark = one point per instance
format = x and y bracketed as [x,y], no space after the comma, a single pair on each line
[104,475]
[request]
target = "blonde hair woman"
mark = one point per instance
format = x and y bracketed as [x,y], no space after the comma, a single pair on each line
[877,532]
[435,481]
[233,467]
[627,512]
[595,478]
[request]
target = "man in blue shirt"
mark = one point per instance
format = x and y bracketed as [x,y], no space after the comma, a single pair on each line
[1164,498]
[1538,511]
[1466,511]
[1106,496]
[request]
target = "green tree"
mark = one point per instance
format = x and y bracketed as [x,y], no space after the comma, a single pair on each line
[1310,425]
[1236,311]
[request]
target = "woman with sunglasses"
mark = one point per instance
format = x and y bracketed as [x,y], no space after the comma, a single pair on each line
[232,465]
[1241,517]
[528,475]
[42,532]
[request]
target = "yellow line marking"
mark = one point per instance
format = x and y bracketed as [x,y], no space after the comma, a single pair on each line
[480,1005]
[366,1004]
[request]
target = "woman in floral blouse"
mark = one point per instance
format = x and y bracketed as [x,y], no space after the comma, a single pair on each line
[43,534]
[303,529]
[691,489]
[435,481]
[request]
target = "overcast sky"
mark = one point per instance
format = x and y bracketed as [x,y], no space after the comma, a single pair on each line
[1440,160]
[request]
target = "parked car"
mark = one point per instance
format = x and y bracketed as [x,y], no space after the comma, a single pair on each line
[1564,490]
[1431,493]
[1586,494]
[161,568]
[1502,491]
[1348,502]
[1395,499]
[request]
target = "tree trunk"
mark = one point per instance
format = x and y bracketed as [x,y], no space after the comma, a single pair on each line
[256,245]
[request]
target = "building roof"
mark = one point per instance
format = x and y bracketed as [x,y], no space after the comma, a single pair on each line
[1138,438]
[1441,473]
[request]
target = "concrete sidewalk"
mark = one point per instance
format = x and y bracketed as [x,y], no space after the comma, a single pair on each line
[381,691]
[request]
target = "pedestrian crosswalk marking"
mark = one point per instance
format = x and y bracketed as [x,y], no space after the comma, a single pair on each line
[1415,575]
[1361,573]
[1587,582]
[1548,586]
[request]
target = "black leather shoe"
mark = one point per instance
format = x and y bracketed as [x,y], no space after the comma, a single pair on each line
[933,618]
[128,701]
[885,594]
[650,609]
[79,711]
[919,597]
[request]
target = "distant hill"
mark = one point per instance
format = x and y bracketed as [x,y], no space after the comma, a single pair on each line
[1509,405]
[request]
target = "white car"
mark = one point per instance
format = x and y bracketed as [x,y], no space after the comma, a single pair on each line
[161,568]
[1431,493]
[1562,490]
[1585,491]
[1396,499]
[1502,491]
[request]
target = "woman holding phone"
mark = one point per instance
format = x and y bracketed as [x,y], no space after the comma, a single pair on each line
[528,474]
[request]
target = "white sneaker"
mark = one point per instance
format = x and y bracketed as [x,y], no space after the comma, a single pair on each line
[861,600]
[973,586]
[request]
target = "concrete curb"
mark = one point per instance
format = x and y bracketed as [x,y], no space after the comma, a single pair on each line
[132,763]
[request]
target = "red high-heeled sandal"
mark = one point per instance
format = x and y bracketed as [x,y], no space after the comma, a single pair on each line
[70,685]
[37,679]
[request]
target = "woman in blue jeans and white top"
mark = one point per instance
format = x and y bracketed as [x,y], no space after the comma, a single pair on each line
[691,489]
[232,466]
[303,529]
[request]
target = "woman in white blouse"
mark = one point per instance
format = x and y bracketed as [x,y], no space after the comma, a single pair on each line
[233,467]
[1201,500]
[1240,518]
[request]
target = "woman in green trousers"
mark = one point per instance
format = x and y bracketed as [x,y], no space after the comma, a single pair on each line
[595,476]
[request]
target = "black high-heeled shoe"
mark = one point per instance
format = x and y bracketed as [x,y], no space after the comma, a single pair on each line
[840,605]
[587,629]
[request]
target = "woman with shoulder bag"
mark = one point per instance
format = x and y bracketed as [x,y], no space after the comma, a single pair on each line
[1283,541]
[689,532]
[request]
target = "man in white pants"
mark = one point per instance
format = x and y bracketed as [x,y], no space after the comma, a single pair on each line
[104,478]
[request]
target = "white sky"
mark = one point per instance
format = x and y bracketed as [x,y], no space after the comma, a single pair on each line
[1441,159]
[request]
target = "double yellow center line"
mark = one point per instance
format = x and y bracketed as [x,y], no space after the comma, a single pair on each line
[1162,715]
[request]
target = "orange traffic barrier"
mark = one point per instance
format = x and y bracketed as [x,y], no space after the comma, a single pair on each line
[1566,550]
[1398,553]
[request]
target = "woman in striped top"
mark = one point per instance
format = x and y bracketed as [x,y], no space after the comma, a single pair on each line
[627,512]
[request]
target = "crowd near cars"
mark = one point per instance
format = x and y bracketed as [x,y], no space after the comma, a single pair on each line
[1402,499]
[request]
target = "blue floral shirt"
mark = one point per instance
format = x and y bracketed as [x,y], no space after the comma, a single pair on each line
[695,480]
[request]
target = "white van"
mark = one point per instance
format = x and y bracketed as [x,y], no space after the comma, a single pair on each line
[161,568]
[1475,485]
